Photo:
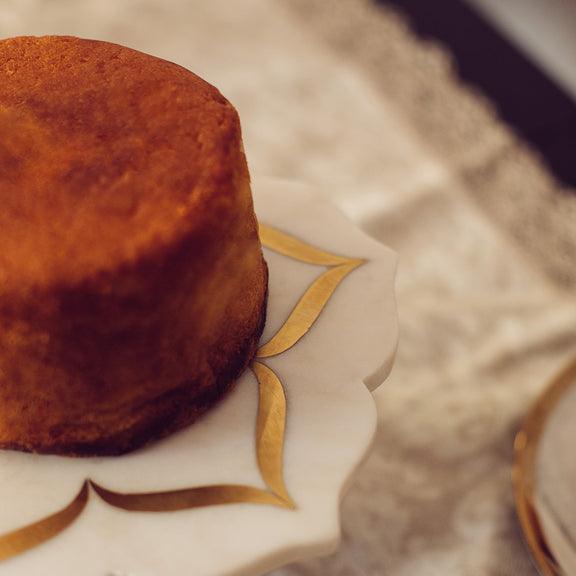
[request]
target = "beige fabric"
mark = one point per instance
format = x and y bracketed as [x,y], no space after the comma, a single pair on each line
[341,94]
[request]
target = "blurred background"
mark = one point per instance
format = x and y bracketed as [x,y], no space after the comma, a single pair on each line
[447,130]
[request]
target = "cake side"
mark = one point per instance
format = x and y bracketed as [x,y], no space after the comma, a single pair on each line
[94,379]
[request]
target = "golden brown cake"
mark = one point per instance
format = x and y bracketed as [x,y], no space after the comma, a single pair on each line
[132,283]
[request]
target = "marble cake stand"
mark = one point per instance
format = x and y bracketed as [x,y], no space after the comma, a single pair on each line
[257,482]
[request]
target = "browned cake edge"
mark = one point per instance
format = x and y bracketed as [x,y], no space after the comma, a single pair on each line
[173,411]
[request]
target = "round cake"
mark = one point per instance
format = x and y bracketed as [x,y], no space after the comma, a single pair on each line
[132,282]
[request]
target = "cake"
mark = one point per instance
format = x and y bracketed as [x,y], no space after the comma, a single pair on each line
[132,282]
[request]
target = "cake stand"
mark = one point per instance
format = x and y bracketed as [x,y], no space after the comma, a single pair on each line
[257,482]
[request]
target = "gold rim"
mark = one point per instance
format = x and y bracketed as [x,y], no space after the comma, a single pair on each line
[523,473]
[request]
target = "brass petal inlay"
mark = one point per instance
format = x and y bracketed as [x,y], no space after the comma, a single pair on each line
[33,535]
[307,310]
[294,248]
[270,430]
[188,498]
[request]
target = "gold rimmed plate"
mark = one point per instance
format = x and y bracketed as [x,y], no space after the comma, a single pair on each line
[543,491]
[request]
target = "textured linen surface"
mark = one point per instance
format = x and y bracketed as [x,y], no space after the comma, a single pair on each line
[344,96]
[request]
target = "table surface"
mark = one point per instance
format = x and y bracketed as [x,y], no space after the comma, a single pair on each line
[344,95]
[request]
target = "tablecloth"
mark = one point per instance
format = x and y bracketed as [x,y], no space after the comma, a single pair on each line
[343,95]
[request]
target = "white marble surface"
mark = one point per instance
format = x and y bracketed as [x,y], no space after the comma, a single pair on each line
[331,421]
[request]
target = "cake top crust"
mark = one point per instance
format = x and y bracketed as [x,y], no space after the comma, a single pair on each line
[106,154]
